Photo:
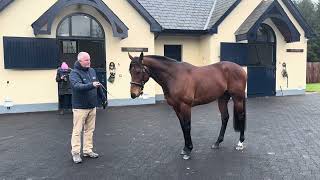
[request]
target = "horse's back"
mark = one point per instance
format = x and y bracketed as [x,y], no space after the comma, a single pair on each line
[228,71]
[224,75]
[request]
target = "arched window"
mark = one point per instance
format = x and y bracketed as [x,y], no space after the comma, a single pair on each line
[265,34]
[80,25]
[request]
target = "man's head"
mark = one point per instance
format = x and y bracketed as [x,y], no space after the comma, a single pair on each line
[84,59]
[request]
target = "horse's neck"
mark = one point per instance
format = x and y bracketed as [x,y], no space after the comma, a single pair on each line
[160,71]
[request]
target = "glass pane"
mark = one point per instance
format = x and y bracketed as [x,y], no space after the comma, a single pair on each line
[96,29]
[260,54]
[64,28]
[271,37]
[173,51]
[69,47]
[80,25]
[262,35]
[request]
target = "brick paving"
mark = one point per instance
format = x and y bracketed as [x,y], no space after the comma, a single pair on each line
[143,142]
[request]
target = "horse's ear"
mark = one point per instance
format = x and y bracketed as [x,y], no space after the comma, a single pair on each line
[130,56]
[141,57]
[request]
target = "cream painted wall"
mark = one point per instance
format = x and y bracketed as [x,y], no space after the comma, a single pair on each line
[190,48]
[26,87]
[206,49]
[296,62]
[39,86]
[139,36]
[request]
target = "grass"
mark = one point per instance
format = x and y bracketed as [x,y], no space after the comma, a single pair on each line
[313,87]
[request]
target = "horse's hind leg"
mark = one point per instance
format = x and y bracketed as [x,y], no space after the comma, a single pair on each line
[183,112]
[223,107]
[240,119]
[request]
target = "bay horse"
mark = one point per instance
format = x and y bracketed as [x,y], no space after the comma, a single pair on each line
[185,86]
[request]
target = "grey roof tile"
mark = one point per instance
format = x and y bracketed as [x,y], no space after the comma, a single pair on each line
[4,4]
[186,14]
[220,8]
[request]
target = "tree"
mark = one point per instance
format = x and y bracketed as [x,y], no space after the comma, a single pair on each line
[311,13]
[308,10]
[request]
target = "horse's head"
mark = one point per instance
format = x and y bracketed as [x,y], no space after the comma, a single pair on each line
[139,75]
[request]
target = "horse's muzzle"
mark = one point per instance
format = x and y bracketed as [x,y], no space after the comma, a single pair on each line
[133,96]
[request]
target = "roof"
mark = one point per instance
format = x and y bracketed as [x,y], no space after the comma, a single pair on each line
[4,4]
[254,17]
[191,15]
[265,10]
[220,9]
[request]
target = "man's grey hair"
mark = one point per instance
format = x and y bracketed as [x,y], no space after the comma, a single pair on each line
[81,54]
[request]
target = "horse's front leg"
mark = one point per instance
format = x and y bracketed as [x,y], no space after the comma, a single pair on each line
[183,112]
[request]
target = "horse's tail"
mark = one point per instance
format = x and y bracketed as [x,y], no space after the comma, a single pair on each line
[239,118]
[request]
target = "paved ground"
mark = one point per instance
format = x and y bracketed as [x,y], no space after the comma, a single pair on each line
[143,142]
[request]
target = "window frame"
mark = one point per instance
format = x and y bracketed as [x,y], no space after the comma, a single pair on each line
[70,36]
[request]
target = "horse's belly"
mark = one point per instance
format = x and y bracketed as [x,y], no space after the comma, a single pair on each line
[203,100]
[205,95]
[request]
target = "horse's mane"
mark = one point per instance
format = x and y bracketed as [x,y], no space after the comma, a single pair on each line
[163,58]
[157,57]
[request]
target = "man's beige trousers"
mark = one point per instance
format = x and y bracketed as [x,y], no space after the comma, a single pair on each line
[83,119]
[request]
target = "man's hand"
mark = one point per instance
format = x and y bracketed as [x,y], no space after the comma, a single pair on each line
[96,84]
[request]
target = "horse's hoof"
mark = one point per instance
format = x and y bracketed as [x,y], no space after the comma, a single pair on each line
[215,146]
[183,152]
[240,146]
[186,157]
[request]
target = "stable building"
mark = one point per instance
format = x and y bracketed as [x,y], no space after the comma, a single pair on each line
[267,37]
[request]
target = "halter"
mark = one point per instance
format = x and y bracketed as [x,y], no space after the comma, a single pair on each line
[141,85]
